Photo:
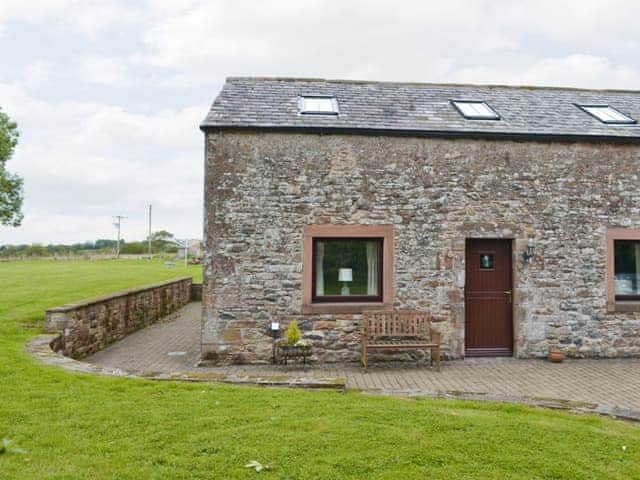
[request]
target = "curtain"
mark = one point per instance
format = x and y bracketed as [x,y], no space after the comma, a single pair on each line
[372,268]
[320,268]
[637,245]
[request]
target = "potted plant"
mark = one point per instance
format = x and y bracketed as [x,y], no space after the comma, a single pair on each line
[293,333]
[293,346]
[555,355]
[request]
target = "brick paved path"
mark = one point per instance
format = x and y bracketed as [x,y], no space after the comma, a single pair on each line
[173,346]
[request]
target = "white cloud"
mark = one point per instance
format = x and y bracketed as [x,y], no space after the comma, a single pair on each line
[330,39]
[572,71]
[87,17]
[93,18]
[578,24]
[85,160]
[34,11]
[38,73]
[109,108]
[105,70]
[196,43]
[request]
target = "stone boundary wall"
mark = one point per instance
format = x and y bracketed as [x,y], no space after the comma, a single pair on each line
[89,326]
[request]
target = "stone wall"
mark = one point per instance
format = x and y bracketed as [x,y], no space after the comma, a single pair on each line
[89,326]
[263,188]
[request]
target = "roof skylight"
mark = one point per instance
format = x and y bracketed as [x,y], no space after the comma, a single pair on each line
[607,114]
[475,110]
[318,105]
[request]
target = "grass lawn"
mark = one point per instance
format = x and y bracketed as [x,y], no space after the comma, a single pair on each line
[82,426]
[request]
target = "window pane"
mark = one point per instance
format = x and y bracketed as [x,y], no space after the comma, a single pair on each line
[347,267]
[476,110]
[467,109]
[318,104]
[608,114]
[617,116]
[486,261]
[483,110]
[627,267]
[602,113]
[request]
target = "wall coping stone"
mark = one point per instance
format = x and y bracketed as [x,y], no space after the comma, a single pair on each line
[90,325]
[123,293]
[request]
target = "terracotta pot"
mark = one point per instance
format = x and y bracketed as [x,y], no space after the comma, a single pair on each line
[556,356]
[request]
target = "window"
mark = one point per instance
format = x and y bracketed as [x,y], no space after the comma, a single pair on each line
[623,270]
[607,114]
[347,269]
[627,269]
[486,261]
[318,105]
[475,110]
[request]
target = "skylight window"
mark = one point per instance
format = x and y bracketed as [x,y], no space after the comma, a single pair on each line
[607,114]
[318,105]
[475,110]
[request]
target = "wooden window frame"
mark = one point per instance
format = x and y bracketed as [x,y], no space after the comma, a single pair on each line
[311,305]
[617,303]
[347,298]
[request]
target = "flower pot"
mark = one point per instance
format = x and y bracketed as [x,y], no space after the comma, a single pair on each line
[556,356]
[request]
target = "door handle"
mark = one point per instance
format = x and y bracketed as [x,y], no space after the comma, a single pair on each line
[509,293]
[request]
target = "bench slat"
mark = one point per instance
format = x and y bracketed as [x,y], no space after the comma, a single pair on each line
[398,327]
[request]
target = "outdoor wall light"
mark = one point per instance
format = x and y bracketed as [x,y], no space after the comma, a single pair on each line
[345,275]
[529,252]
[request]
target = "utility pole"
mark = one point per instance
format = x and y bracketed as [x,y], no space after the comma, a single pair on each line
[119,219]
[149,231]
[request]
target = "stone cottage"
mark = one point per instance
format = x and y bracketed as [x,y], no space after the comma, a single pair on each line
[510,214]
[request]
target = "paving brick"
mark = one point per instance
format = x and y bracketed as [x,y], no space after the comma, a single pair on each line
[614,382]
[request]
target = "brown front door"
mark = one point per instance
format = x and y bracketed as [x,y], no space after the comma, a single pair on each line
[488,299]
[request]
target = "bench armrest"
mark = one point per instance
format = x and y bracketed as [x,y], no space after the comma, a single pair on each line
[436,336]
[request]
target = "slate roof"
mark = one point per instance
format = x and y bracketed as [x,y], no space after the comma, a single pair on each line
[420,109]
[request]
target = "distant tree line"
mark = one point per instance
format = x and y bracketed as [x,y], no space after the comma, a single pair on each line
[161,242]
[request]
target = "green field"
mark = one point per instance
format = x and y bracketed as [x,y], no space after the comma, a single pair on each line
[82,426]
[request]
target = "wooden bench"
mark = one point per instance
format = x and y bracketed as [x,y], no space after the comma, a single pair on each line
[399,330]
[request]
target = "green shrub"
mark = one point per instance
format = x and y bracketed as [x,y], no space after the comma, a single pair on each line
[293,333]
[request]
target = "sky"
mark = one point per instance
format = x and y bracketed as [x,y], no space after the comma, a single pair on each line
[108,95]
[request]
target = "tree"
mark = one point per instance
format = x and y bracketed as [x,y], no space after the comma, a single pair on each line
[134,248]
[10,184]
[105,243]
[161,240]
